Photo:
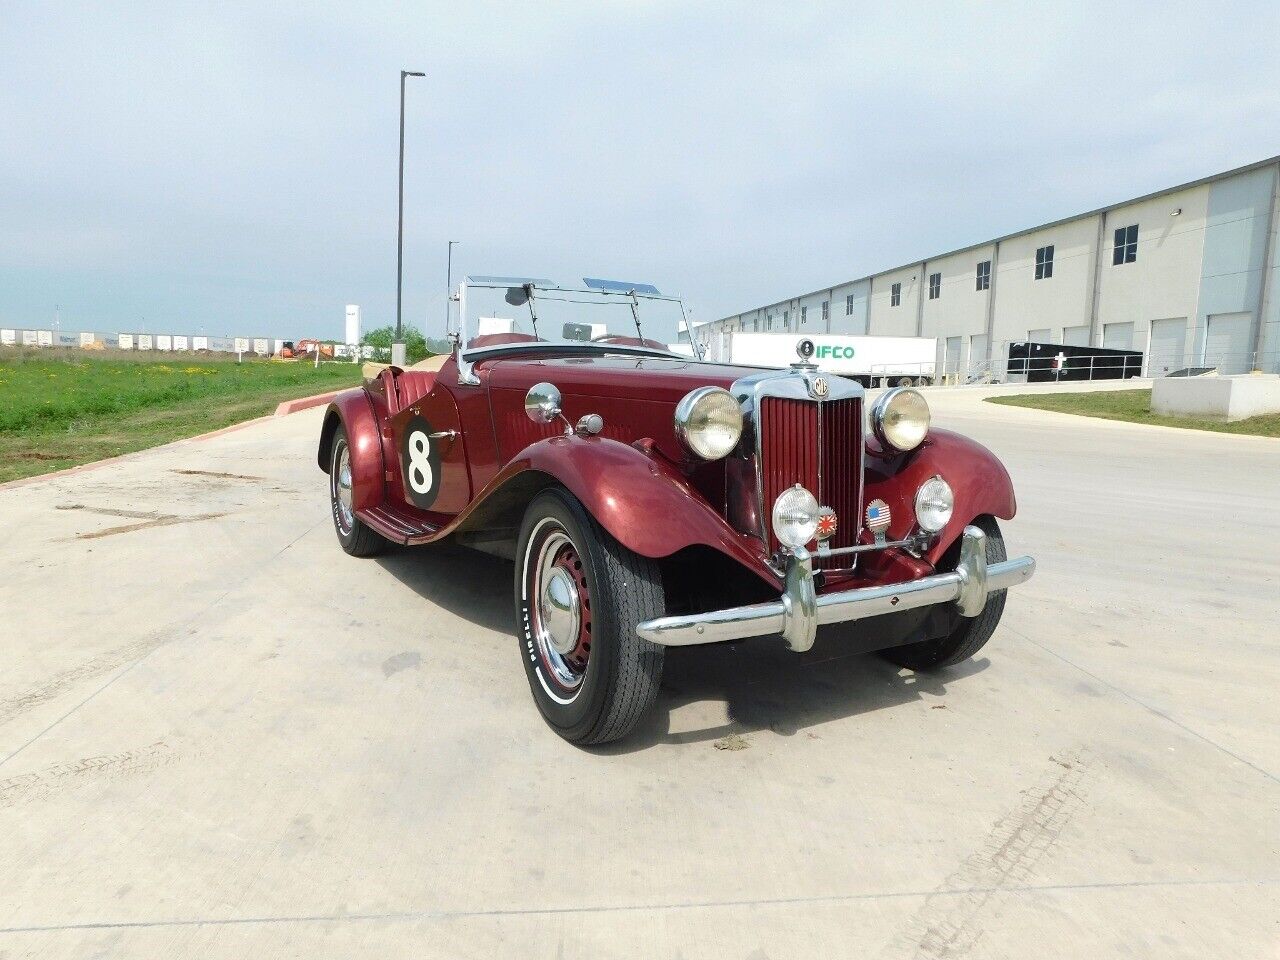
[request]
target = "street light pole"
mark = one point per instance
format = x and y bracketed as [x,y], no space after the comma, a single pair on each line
[448,286]
[397,347]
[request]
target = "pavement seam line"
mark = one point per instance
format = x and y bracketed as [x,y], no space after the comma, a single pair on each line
[635,908]
[1146,706]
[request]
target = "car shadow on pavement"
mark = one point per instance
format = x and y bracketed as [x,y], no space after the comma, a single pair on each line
[762,684]
[475,586]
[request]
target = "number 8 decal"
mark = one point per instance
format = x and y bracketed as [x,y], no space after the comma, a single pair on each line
[420,463]
[421,476]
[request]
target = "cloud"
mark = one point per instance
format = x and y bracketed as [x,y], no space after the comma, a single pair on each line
[235,165]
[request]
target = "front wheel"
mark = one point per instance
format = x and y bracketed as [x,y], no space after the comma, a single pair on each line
[579,596]
[973,632]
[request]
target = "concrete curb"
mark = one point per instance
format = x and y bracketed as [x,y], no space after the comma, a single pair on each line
[305,403]
[282,410]
[95,464]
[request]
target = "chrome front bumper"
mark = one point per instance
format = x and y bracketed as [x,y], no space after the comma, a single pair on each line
[799,612]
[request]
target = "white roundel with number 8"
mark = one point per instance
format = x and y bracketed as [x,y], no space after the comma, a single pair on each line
[421,476]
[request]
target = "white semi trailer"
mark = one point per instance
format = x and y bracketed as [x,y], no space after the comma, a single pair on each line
[872,360]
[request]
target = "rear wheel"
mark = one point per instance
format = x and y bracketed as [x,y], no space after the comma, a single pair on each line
[579,596]
[973,632]
[356,538]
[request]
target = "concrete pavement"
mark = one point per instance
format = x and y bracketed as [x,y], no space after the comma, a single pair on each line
[220,736]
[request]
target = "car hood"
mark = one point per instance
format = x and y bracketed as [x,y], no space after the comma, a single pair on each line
[630,378]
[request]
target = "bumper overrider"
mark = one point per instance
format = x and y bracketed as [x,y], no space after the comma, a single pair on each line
[798,613]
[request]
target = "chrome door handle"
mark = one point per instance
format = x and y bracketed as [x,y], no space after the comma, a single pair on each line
[443,435]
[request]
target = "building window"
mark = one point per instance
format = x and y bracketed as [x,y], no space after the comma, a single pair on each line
[935,286]
[848,305]
[1044,262]
[895,295]
[826,310]
[984,275]
[768,322]
[1126,248]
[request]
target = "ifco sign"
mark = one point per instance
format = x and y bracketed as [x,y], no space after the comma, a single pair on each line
[808,350]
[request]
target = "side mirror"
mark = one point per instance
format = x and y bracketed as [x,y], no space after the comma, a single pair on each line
[542,403]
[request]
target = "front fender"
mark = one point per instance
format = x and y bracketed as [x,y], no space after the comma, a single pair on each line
[979,480]
[645,503]
[353,410]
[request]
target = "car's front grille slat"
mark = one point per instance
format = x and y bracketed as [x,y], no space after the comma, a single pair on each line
[790,434]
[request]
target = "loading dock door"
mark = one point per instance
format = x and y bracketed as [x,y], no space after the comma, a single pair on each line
[1226,342]
[1076,336]
[953,355]
[1118,336]
[978,365]
[1168,346]
[1043,335]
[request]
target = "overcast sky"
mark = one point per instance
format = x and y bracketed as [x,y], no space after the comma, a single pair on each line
[232,168]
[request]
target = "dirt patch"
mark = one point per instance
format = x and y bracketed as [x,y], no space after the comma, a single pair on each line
[110,511]
[217,475]
[164,520]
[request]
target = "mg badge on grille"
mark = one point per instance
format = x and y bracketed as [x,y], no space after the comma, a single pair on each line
[818,387]
[826,523]
[878,518]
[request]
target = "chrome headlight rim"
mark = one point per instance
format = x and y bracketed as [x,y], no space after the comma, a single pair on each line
[884,426]
[935,504]
[691,417]
[795,514]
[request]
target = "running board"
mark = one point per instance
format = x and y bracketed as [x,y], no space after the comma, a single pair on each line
[397,526]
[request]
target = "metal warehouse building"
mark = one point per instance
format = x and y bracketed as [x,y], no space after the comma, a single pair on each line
[1187,275]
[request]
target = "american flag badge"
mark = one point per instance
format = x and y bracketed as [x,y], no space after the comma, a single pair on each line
[878,518]
[826,523]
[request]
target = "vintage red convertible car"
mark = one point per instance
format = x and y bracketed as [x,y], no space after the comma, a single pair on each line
[651,500]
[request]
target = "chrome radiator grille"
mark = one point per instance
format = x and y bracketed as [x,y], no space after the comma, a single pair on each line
[818,445]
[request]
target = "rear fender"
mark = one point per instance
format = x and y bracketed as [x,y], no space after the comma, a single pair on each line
[353,410]
[979,480]
[646,504]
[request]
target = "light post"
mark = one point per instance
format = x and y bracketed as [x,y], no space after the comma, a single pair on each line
[397,346]
[448,286]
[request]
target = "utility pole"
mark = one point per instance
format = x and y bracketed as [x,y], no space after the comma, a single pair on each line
[397,347]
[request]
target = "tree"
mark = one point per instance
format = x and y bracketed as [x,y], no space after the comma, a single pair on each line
[415,345]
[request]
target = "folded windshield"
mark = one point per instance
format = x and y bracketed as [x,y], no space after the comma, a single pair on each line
[495,310]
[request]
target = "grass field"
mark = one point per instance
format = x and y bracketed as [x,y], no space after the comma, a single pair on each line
[60,410]
[1135,407]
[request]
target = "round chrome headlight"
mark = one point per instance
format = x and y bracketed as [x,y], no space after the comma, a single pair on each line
[934,504]
[900,418]
[795,517]
[709,422]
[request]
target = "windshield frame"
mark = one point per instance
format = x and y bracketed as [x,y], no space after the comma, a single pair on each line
[554,290]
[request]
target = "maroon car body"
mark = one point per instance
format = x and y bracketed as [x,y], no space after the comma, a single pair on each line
[458,452]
